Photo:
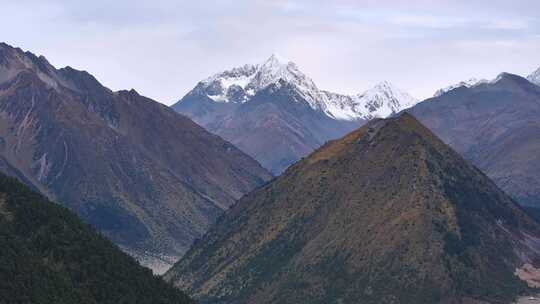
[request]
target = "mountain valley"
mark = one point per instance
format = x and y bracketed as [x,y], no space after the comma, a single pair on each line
[147,178]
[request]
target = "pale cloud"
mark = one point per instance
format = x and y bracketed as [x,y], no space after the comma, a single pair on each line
[508,24]
[163,47]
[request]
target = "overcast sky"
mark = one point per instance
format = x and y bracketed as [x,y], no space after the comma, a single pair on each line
[162,48]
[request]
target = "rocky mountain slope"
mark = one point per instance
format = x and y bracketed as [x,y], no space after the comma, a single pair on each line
[386,214]
[295,116]
[147,178]
[49,256]
[496,126]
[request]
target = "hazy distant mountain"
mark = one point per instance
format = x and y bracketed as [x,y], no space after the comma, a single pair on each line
[49,256]
[387,214]
[496,126]
[149,179]
[275,106]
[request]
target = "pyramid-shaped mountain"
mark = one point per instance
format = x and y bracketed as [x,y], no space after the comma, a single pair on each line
[387,214]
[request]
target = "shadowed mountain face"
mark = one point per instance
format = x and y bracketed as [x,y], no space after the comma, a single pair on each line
[277,126]
[496,126]
[148,178]
[387,214]
[49,256]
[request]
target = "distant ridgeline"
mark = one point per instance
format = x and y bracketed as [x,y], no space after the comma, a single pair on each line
[47,255]
[496,126]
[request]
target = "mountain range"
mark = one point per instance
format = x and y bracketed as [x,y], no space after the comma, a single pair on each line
[147,178]
[390,195]
[386,214]
[277,114]
[496,126]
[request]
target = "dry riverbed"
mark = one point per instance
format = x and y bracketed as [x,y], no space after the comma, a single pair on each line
[529,300]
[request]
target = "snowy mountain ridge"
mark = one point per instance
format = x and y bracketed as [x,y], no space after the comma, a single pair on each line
[535,77]
[238,85]
[472,82]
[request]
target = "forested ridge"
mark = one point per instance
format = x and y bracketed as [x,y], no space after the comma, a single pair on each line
[49,256]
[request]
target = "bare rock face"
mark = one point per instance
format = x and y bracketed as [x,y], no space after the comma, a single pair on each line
[146,177]
[496,126]
[386,214]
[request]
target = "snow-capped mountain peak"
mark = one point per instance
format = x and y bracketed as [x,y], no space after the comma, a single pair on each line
[276,68]
[238,85]
[535,77]
[384,99]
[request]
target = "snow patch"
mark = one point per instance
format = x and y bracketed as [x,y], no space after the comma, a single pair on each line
[384,100]
[158,263]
